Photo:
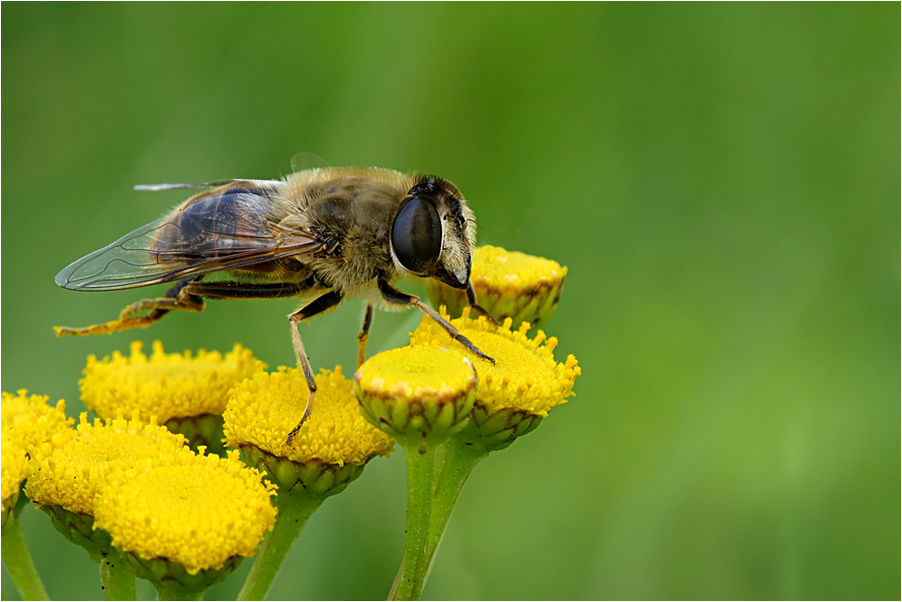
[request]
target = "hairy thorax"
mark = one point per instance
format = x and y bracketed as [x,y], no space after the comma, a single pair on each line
[353,223]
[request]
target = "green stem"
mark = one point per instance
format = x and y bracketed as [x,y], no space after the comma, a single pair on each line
[18,562]
[294,510]
[173,590]
[420,472]
[453,466]
[117,579]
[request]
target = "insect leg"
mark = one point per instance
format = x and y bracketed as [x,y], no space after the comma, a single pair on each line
[392,295]
[471,299]
[176,298]
[317,306]
[364,334]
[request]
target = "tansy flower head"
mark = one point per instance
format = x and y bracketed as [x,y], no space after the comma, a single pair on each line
[69,477]
[76,469]
[331,448]
[200,514]
[412,393]
[508,284]
[172,385]
[520,388]
[28,419]
[15,470]
[184,391]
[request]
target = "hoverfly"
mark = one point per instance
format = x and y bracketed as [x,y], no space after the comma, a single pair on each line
[326,234]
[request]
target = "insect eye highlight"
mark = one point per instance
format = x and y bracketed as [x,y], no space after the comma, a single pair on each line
[416,235]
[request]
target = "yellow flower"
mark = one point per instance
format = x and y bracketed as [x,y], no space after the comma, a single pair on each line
[15,470]
[28,419]
[200,513]
[520,388]
[416,392]
[331,448]
[508,284]
[76,469]
[167,386]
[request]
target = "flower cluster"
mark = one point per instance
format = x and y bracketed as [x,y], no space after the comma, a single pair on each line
[449,407]
[149,490]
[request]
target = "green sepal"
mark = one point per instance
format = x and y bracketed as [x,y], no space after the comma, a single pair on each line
[162,571]
[204,430]
[497,430]
[79,529]
[13,506]
[412,421]
[314,478]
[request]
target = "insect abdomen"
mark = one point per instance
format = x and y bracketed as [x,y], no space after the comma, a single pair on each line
[220,222]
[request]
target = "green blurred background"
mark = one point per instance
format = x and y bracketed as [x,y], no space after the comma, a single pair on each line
[722,180]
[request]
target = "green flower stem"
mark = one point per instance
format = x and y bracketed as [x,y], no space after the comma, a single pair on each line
[294,510]
[118,580]
[453,466]
[420,472]
[18,562]
[173,590]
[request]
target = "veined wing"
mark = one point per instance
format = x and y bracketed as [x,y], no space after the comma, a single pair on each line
[156,187]
[228,228]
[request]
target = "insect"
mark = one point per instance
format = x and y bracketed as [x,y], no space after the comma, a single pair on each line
[326,234]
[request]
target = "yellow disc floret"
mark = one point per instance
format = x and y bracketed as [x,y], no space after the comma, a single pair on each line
[76,469]
[264,409]
[198,513]
[508,284]
[29,420]
[525,375]
[164,385]
[417,391]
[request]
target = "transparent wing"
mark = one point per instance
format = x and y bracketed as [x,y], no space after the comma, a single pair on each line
[155,187]
[216,231]
[304,161]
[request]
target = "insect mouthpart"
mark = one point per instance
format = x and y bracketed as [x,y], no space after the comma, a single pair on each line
[458,279]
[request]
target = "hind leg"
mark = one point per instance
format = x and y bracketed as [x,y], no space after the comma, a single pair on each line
[177,298]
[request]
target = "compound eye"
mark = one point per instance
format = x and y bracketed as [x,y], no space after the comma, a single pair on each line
[416,235]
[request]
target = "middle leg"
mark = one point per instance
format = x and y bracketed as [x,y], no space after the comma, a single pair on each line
[317,306]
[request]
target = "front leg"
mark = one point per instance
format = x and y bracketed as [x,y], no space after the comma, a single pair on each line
[471,299]
[396,297]
[364,335]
